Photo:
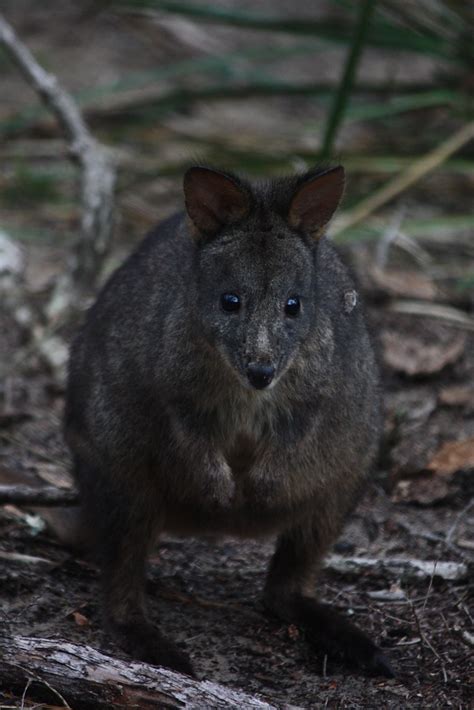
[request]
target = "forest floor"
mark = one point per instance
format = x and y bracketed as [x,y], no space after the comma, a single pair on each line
[207,595]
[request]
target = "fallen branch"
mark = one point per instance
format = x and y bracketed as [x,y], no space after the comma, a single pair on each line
[97,170]
[398,567]
[84,678]
[24,559]
[44,495]
[50,496]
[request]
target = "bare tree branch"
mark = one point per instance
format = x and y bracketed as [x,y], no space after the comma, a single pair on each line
[98,172]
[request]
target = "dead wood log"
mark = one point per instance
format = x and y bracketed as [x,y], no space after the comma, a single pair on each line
[82,678]
[43,495]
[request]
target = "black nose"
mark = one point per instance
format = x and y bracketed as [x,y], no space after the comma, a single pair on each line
[260,376]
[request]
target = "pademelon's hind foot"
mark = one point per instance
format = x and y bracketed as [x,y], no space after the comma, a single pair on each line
[330,633]
[145,643]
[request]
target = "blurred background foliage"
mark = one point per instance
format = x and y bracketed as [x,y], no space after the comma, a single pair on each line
[384,86]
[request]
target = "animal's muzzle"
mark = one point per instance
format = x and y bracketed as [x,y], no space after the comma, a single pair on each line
[260,376]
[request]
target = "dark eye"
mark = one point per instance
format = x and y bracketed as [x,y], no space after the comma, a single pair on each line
[292,306]
[230,302]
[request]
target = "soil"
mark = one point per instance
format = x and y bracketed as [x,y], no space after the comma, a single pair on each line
[207,594]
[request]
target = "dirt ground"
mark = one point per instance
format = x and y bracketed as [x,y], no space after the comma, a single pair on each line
[207,595]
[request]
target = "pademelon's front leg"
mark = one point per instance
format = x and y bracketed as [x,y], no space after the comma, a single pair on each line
[289,595]
[204,476]
[277,480]
[125,521]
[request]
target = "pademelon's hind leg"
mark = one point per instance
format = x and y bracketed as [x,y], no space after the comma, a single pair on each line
[297,557]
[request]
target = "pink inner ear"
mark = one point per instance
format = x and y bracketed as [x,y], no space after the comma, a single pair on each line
[315,202]
[213,199]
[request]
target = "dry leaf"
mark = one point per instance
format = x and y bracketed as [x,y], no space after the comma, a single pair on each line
[433,485]
[425,489]
[55,474]
[457,396]
[293,632]
[414,356]
[80,619]
[453,456]
[410,454]
[406,283]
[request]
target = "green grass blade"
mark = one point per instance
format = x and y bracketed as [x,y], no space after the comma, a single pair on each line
[381,34]
[402,104]
[222,65]
[341,98]
[411,227]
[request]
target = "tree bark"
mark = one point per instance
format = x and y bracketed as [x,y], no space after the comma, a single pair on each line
[98,172]
[82,678]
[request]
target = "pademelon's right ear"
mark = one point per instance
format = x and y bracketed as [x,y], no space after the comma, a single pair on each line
[316,200]
[214,200]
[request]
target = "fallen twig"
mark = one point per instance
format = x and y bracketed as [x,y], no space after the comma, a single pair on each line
[388,595]
[45,495]
[467,637]
[389,237]
[459,518]
[24,559]
[83,677]
[428,535]
[399,567]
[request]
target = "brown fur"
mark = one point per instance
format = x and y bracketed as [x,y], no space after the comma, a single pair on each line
[167,431]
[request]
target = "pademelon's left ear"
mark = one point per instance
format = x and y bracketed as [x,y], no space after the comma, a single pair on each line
[315,202]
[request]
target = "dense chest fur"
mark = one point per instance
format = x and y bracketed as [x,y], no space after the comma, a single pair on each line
[247,430]
[316,427]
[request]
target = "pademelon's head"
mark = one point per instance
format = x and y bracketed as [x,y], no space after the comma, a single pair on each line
[257,264]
